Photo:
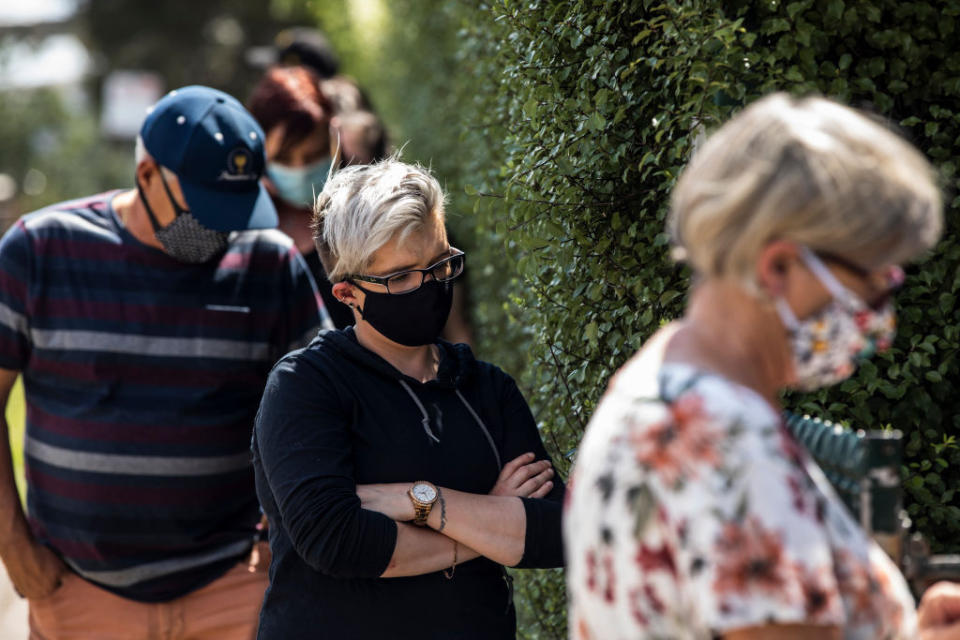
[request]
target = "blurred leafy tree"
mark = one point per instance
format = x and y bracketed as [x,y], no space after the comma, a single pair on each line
[54,151]
[50,141]
[185,41]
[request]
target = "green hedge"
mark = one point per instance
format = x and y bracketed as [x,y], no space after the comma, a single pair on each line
[567,125]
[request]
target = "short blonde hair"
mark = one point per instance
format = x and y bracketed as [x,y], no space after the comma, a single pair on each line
[807,170]
[361,208]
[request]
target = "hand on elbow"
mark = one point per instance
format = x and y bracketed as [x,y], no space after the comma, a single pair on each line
[523,477]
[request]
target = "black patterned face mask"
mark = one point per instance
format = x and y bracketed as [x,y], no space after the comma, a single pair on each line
[185,239]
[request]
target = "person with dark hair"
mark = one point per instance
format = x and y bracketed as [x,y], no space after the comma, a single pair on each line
[295,114]
[144,323]
[307,47]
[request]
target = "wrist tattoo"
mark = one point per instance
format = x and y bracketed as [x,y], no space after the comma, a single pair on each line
[443,511]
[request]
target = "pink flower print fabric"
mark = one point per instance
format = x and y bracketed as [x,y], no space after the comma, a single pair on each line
[692,512]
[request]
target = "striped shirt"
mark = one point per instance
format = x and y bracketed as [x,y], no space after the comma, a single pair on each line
[142,377]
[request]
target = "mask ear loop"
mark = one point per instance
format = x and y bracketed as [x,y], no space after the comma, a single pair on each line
[352,305]
[176,205]
[146,205]
[787,316]
[828,280]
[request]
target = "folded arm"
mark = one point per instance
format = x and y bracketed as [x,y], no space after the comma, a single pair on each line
[301,442]
[494,526]
[420,550]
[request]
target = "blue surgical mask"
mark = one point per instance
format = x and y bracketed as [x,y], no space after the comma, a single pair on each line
[297,185]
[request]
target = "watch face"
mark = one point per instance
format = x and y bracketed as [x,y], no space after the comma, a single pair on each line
[424,493]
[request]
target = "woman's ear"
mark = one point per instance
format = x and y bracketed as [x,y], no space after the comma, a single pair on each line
[348,294]
[774,265]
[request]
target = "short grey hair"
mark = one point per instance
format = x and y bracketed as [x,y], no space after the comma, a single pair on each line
[363,207]
[808,170]
[140,151]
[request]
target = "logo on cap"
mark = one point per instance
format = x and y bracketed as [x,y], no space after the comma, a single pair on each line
[238,165]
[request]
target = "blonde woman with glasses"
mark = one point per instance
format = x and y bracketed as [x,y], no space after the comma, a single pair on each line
[399,474]
[693,513]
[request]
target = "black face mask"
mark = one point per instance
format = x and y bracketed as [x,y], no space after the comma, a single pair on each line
[411,319]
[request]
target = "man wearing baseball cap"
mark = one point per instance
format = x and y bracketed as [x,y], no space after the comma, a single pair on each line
[144,324]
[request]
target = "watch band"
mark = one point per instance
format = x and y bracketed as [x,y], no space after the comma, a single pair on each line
[421,510]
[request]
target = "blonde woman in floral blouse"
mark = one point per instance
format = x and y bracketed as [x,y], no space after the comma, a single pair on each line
[692,512]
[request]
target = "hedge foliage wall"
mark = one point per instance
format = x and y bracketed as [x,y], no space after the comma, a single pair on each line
[568,124]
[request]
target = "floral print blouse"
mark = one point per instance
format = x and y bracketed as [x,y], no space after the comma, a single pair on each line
[692,512]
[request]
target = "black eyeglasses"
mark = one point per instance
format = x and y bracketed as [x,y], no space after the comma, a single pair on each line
[412,279]
[846,264]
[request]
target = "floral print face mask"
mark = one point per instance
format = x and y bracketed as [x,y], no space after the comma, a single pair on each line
[828,345]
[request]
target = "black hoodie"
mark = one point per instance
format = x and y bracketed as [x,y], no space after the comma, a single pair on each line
[335,415]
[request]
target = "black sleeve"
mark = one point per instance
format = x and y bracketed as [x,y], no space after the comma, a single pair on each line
[543,546]
[304,447]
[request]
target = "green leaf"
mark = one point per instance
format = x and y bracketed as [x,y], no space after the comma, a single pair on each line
[601,97]
[530,107]
[590,332]
[835,10]
[794,75]
[794,8]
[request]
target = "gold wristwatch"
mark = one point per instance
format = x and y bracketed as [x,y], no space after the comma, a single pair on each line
[423,495]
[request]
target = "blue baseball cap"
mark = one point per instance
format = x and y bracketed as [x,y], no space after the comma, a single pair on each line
[215,148]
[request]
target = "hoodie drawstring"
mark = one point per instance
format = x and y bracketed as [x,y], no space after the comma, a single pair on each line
[483,427]
[425,421]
